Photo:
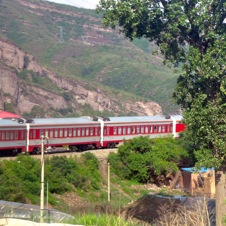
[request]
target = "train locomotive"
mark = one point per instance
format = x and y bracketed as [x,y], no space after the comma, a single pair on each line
[19,135]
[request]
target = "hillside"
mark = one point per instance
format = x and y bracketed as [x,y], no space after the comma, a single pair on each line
[97,69]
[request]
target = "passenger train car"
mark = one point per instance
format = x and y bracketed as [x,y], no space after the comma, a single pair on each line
[20,135]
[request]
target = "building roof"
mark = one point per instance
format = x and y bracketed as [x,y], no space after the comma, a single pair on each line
[194,170]
[6,114]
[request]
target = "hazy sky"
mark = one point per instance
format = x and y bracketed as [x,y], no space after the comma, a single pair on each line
[89,4]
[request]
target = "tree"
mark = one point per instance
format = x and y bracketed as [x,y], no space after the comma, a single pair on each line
[143,159]
[191,33]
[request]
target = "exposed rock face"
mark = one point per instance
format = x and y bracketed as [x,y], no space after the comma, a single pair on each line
[23,97]
[14,57]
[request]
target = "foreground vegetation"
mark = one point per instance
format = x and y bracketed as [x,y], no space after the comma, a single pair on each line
[77,186]
[79,178]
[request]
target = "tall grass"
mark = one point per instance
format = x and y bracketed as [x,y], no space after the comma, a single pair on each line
[198,213]
[105,220]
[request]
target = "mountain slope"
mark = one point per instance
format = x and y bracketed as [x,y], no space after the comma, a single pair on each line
[34,91]
[72,44]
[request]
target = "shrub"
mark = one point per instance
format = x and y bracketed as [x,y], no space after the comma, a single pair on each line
[144,159]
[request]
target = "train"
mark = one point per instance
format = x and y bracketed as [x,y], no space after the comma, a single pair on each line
[20,135]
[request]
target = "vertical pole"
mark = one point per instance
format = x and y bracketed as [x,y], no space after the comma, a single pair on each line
[42,182]
[109,190]
[47,195]
[27,137]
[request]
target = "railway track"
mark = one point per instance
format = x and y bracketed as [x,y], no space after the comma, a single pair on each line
[99,153]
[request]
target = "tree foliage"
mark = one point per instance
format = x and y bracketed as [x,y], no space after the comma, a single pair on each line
[192,33]
[173,25]
[20,179]
[144,159]
[201,92]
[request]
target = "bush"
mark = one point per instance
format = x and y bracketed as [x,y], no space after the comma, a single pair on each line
[144,159]
[20,178]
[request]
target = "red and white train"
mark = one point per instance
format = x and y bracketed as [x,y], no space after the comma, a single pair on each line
[20,135]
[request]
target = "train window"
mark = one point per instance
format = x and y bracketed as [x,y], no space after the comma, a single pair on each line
[128,130]
[65,132]
[142,129]
[41,132]
[155,129]
[70,132]
[133,129]
[96,131]
[163,129]
[87,131]
[166,128]
[47,134]
[83,132]
[11,135]
[51,133]
[74,132]
[159,129]
[138,129]
[124,130]
[56,133]
[106,131]
[3,135]
[170,128]
[115,131]
[22,135]
[61,133]
[16,135]
[31,134]
[151,129]
[7,135]
[146,129]
[119,130]
[79,132]
[91,131]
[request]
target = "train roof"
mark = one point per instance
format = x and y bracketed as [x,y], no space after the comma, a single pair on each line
[87,120]
[11,122]
[62,121]
[145,118]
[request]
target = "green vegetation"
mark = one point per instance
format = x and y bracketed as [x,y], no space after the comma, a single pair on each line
[9,106]
[36,111]
[80,177]
[148,160]
[20,178]
[103,220]
[30,77]
[188,36]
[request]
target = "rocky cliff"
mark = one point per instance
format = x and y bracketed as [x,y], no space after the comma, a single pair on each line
[24,94]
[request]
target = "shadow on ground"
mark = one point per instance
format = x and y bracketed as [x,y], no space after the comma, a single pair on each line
[151,208]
